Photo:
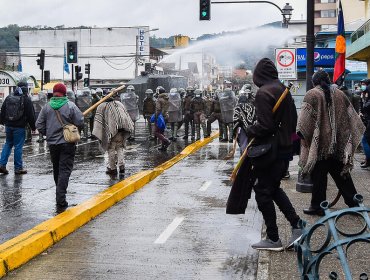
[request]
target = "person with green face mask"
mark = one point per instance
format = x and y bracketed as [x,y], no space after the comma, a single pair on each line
[365,116]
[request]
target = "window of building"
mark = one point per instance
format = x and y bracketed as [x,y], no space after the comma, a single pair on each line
[328,26]
[328,13]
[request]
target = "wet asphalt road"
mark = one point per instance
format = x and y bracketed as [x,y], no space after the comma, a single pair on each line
[27,200]
[173,228]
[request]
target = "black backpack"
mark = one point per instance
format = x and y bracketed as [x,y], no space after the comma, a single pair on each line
[14,108]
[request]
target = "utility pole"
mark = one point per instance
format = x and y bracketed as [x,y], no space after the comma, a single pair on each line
[136,56]
[310,41]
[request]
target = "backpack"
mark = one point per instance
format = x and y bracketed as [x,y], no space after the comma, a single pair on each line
[14,108]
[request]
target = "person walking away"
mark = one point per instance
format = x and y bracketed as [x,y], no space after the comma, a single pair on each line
[244,116]
[148,111]
[188,113]
[365,116]
[113,126]
[268,190]
[174,112]
[330,131]
[215,114]
[161,107]
[198,107]
[16,113]
[62,153]
[95,99]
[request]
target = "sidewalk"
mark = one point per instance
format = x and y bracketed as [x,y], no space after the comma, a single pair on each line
[283,265]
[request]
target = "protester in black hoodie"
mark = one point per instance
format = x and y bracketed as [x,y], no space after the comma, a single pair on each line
[283,122]
[16,113]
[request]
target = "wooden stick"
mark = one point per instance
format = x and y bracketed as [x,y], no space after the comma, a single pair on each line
[231,154]
[113,92]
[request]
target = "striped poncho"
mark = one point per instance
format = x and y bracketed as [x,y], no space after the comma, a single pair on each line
[111,117]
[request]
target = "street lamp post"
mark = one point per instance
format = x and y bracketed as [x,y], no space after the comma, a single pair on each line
[137,51]
[286,12]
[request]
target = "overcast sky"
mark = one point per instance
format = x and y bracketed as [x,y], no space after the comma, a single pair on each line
[170,16]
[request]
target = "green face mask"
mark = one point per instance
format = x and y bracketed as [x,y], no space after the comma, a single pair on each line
[363,87]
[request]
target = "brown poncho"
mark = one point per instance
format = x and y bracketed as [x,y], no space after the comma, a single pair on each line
[329,131]
[110,118]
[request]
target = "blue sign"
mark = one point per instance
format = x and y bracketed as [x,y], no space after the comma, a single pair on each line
[324,57]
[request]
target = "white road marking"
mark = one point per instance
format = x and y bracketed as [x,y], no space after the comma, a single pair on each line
[294,173]
[205,186]
[169,230]
[222,164]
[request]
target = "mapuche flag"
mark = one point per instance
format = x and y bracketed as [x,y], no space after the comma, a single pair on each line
[340,49]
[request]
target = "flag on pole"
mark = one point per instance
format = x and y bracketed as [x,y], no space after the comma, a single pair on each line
[340,49]
[66,66]
[19,67]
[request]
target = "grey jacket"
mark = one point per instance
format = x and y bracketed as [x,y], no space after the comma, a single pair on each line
[47,123]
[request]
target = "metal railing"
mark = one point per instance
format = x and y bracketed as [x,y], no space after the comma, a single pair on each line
[336,242]
[361,31]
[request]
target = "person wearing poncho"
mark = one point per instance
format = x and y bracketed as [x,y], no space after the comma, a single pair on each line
[330,130]
[113,126]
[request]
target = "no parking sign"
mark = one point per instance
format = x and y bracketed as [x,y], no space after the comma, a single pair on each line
[286,63]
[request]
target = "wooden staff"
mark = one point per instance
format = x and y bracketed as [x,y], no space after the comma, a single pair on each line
[113,92]
[245,153]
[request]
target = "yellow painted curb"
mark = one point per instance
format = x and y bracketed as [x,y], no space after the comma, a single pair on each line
[31,243]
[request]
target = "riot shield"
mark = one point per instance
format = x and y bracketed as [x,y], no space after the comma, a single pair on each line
[174,107]
[129,101]
[83,100]
[38,101]
[227,104]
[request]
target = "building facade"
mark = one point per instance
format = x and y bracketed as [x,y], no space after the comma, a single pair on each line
[114,53]
[359,49]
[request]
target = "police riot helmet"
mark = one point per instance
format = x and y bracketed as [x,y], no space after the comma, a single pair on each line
[130,88]
[159,88]
[242,92]
[149,92]
[248,86]
[198,93]
[173,90]
[99,91]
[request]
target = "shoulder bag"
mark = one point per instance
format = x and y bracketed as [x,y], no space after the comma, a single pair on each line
[70,131]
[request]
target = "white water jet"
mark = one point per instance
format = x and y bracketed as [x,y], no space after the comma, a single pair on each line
[232,49]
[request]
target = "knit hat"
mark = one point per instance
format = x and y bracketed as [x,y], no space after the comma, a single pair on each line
[60,88]
[23,86]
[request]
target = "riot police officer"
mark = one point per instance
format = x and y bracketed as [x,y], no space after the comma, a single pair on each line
[130,101]
[188,114]
[149,110]
[174,112]
[95,99]
[39,101]
[83,102]
[215,114]
[227,102]
[198,107]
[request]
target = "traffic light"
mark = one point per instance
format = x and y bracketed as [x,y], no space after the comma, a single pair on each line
[78,74]
[41,60]
[205,10]
[72,52]
[148,67]
[46,76]
[87,69]
[86,82]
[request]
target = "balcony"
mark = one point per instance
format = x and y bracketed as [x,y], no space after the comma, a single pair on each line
[360,43]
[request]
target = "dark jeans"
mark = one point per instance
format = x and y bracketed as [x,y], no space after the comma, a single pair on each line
[320,182]
[267,192]
[15,137]
[62,157]
[159,134]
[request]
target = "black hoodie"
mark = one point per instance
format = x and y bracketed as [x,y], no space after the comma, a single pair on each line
[265,76]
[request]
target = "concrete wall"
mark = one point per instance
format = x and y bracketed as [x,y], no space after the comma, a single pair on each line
[110,51]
